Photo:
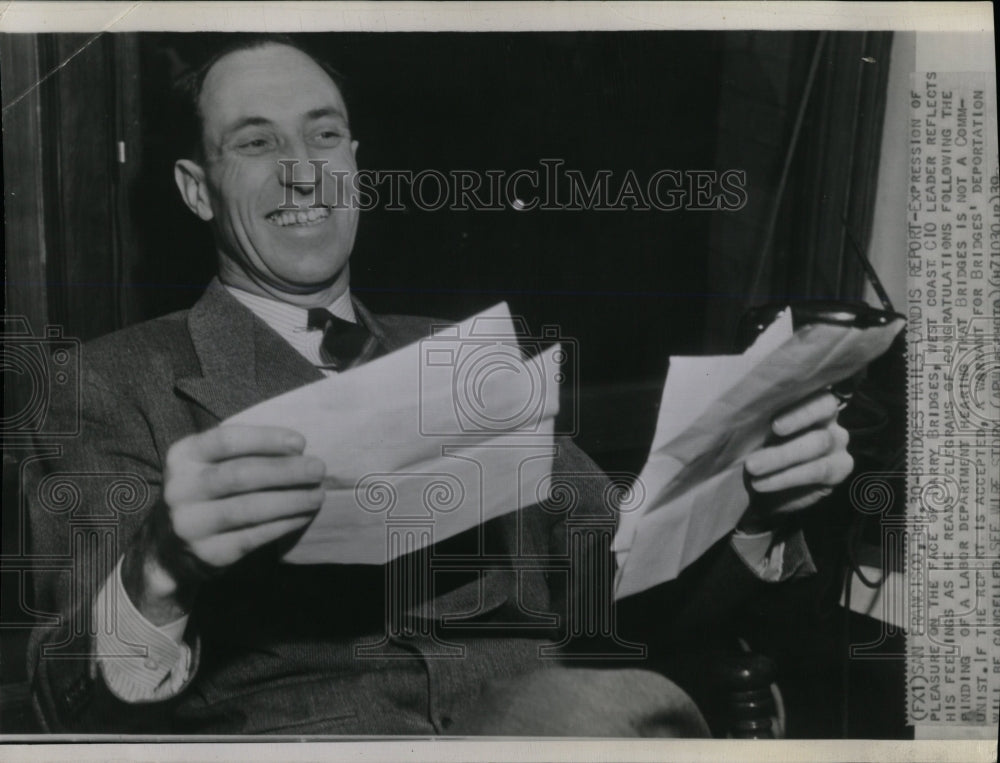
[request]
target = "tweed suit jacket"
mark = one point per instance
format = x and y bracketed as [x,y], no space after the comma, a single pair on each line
[289,648]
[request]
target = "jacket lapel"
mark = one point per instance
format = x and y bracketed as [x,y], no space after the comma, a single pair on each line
[384,341]
[243,361]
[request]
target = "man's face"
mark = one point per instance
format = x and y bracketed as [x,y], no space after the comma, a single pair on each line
[260,106]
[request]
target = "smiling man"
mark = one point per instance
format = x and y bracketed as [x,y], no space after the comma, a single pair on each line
[198,627]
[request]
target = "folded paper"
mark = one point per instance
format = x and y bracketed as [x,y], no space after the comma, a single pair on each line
[428,441]
[714,412]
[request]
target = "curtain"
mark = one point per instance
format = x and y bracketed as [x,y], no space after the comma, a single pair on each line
[802,115]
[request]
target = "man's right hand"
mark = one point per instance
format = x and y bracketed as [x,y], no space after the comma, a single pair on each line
[226,492]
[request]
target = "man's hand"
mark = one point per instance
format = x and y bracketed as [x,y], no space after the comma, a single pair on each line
[809,458]
[226,492]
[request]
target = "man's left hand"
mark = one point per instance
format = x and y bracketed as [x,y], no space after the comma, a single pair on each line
[809,458]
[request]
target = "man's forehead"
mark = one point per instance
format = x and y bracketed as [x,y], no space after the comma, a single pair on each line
[272,80]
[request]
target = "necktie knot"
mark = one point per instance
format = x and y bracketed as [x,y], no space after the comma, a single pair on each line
[344,344]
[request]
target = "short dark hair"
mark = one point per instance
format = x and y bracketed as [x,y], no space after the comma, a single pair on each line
[187,88]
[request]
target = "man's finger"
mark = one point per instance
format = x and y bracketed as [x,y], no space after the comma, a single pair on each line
[802,501]
[227,548]
[203,519]
[806,447]
[817,409]
[236,440]
[826,471]
[247,475]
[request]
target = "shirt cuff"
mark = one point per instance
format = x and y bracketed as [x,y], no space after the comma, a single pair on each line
[140,662]
[761,554]
[774,558]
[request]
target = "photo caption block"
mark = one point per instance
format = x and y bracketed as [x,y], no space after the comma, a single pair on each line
[953,434]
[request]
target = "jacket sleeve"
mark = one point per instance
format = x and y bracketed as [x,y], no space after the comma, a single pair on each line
[85,504]
[704,601]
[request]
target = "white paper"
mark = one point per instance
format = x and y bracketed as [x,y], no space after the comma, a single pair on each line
[446,434]
[715,411]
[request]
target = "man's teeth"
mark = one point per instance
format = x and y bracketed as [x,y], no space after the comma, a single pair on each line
[299,217]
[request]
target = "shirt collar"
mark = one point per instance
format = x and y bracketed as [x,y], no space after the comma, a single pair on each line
[291,323]
[285,318]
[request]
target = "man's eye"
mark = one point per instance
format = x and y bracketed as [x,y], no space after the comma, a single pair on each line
[254,145]
[328,137]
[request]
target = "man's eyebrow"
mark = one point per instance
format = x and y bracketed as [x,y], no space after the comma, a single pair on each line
[325,111]
[257,121]
[251,121]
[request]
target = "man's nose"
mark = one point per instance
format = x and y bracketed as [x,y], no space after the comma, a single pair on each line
[299,170]
[301,174]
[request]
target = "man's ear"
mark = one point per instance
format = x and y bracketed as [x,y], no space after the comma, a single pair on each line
[190,179]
